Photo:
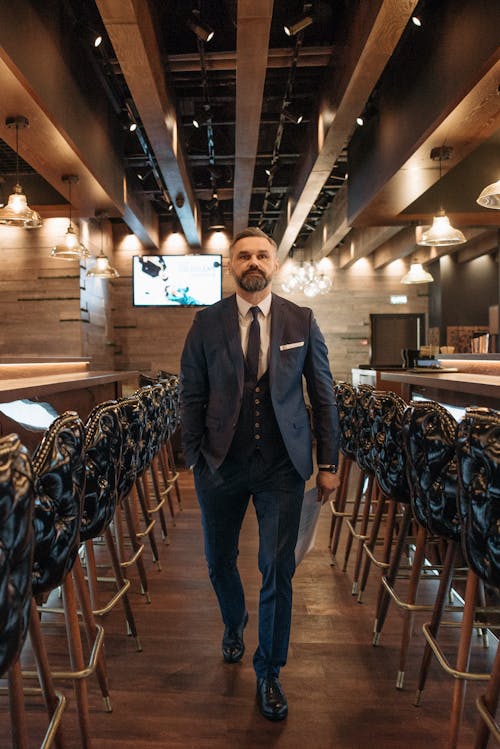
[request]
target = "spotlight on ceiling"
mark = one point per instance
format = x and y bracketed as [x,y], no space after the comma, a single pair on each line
[203,31]
[296,119]
[291,29]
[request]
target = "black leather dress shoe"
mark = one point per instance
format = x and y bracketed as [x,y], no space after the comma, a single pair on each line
[233,646]
[272,701]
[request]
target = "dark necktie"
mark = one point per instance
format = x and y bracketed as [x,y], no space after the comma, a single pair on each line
[253,348]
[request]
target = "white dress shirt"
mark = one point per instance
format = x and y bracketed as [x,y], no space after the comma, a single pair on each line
[245,318]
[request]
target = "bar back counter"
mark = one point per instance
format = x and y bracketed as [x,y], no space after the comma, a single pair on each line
[60,383]
[476,381]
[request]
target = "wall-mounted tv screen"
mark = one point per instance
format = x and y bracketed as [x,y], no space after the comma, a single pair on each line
[176,280]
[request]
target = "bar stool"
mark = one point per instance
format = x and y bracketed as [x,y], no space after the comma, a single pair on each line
[429,434]
[134,419]
[367,490]
[103,453]
[150,394]
[477,451]
[345,395]
[478,455]
[17,607]
[59,475]
[386,411]
[131,415]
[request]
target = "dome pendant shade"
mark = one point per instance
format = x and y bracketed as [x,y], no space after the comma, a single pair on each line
[18,213]
[441,233]
[417,275]
[490,196]
[102,268]
[70,248]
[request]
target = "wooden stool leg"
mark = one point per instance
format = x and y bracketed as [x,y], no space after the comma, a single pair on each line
[416,571]
[138,492]
[354,514]
[76,660]
[437,615]
[16,706]
[371,497]
[120,584]
[463,657]
[54,702]
[137,548]
[91,629]
[489,703]
[370,544]
[340,505]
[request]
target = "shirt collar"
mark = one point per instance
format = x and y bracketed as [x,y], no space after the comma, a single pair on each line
[244,306]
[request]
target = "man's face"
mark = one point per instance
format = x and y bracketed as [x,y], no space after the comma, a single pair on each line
[253,263]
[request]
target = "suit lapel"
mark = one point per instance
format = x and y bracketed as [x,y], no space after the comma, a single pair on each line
[277,325]
[231,328]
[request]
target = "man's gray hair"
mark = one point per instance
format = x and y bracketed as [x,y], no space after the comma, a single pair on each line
[252,231]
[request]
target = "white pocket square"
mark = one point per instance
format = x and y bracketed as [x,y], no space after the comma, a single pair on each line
[286,346]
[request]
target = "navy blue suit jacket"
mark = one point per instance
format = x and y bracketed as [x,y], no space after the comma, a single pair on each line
[211,384]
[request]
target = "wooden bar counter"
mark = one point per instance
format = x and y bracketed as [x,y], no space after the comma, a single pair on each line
[67,384]
[476,383]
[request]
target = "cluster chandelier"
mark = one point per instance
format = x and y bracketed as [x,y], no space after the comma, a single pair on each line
[307,278]
[17,211]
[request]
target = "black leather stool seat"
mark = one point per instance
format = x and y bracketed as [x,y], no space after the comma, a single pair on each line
[16,547]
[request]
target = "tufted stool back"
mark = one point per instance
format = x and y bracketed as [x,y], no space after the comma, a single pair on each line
[16,547]
[345,395]
[478,455]
[131,414]
[387,456]
[103,450]
[59,474]
[364,453]
[151,425]
[429,434]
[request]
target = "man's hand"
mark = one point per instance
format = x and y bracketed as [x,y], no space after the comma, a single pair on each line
[327,483]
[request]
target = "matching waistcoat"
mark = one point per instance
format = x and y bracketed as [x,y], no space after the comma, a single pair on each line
[257,427]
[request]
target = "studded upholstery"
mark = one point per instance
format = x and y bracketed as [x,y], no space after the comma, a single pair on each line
[132,415]
[429,434]
[478,454]
[345,395]
[388,458]
[59,474]
[103,449]
[364,452]
[16,547]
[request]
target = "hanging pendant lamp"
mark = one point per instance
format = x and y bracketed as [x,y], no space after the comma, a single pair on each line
[70,248]
[490,196]
[441,233]
[417,274]
[102,268]
[17,211]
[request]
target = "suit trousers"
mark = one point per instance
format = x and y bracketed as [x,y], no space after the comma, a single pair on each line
[277,490]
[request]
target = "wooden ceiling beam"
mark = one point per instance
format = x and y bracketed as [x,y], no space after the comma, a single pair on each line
[131,30]
[370,42]
[66,134]
[451,98]
[252,46]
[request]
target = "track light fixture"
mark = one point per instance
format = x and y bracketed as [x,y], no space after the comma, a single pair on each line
[296,119]
[200,28]
[301,23]
[17,211]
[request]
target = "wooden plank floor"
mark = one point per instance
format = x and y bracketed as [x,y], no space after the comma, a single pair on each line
[179,693]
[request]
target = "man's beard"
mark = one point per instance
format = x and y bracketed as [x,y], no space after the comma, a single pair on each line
[253,281]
